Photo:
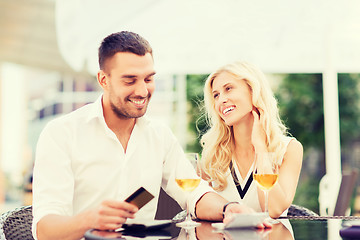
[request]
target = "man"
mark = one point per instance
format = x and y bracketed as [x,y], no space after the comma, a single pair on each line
[89,161]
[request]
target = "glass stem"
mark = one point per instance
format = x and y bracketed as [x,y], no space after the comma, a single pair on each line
[188,217]
[266,193]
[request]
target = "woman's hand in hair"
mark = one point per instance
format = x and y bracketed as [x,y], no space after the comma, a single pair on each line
[258,136]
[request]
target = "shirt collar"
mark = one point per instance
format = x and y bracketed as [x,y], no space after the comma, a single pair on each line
[96,110]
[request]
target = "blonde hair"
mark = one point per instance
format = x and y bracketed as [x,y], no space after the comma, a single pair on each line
[218,141]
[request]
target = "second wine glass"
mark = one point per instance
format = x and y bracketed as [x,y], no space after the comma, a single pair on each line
[188,182]
[266,172]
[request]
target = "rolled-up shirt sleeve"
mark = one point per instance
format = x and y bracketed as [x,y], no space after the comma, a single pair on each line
[53,181]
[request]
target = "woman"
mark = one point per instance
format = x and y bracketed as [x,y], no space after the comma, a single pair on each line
[244,120]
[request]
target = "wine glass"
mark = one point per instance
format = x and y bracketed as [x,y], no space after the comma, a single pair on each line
[188,180]
[266,172]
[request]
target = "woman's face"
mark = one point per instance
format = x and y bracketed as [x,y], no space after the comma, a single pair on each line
[232,98]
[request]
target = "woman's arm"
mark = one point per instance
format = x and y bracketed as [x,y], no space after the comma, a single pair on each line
[282,194]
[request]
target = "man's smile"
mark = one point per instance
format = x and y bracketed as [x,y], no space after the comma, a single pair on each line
[139,102]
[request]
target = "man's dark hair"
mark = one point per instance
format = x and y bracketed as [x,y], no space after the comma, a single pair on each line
[122,42]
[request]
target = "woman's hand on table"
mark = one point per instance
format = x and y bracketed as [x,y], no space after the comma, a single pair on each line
[241,208]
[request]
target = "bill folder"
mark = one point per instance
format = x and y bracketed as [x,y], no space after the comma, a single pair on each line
[149,229]
[144,225]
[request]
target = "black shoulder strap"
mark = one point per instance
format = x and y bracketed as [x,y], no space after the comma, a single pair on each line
[237,184]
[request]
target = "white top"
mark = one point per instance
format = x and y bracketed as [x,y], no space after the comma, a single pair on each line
[251,197]
[80,162]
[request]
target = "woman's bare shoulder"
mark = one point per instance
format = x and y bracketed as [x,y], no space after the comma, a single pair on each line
[294,150]
[294,145]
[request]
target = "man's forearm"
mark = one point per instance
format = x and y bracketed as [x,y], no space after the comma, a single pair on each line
[62,227]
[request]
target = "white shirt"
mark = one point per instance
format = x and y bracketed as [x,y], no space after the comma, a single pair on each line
[80,162]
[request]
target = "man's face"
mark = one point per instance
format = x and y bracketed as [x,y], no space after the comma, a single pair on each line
[129,84]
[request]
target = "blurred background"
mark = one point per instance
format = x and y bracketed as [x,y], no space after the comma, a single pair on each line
[309,51]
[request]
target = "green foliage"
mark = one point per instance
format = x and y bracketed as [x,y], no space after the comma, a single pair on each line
[349,107]
[197,124]
[307,194]
[301,108]
[300,99]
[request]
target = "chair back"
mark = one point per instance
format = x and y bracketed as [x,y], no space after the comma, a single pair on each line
[16,224]
[346,190]
[296,210]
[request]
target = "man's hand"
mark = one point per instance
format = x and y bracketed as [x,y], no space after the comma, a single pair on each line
[110,215]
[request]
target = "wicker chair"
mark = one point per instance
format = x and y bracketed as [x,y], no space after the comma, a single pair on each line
[16,224]
[295,210]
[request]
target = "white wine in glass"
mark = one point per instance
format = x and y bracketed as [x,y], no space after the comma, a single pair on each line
[266,173]
[266,181]
[188,185]
[188,181]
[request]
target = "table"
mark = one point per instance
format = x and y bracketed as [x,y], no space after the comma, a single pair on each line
[300,229]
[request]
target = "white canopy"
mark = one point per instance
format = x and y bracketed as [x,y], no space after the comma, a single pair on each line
[197,36]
